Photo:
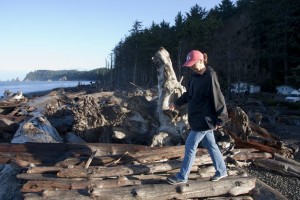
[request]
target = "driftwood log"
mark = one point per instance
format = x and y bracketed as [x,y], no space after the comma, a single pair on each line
[36,129]
[39,186]
[49,194]
[278,166]
[198,188]
[125,170]
[58,153]
[263,191]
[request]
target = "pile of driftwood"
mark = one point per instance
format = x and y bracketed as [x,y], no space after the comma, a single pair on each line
[118,168]
[123,171]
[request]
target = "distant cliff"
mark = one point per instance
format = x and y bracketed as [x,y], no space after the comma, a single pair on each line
[70,75]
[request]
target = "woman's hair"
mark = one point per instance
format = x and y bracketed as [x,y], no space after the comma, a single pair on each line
[205,58]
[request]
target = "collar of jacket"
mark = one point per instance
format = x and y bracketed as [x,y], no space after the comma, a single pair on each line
[205,72]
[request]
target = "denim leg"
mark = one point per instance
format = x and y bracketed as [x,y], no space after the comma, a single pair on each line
[215,153]
[191,145]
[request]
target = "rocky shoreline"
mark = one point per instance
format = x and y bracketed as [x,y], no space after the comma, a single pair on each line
[288,186]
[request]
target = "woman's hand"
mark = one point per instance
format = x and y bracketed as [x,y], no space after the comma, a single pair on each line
[218,127]
[172,106]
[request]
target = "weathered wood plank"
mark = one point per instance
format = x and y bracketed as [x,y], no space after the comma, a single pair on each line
[35,158]
[48,177]
[105,148]
[231,198]
[58,195]
[58,159]
[50,153]
[281,167]
[262,192]
[250,155]
[194,189]
[39,186]
[119,170]
[44,169]
[262,131]
[123,170]
[162,153]
[97,161]
[286,160]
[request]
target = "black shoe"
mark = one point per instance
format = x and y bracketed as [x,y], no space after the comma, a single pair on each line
[174,181]
[217,177]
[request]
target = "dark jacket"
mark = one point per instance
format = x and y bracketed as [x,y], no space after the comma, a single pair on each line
[206,104]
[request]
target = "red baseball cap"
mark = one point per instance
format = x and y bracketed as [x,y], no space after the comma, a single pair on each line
[193,57]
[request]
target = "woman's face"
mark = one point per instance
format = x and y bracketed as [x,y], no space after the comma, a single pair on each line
[198,66]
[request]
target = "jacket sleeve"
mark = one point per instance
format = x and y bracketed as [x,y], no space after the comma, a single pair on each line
[218,101]
[182,99]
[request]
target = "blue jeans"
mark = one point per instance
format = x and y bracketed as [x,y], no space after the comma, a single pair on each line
[191,149]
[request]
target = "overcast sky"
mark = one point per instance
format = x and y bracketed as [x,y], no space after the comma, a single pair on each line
[74,34]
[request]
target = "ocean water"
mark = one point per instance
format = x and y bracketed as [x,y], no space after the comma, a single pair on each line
[36,86]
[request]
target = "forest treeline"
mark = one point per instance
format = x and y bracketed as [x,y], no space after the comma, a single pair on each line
[70,75]
[257,41]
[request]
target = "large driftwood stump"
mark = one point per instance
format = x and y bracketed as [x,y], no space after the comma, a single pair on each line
[110,117]
[248,135]
[172,123]
[89,120]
